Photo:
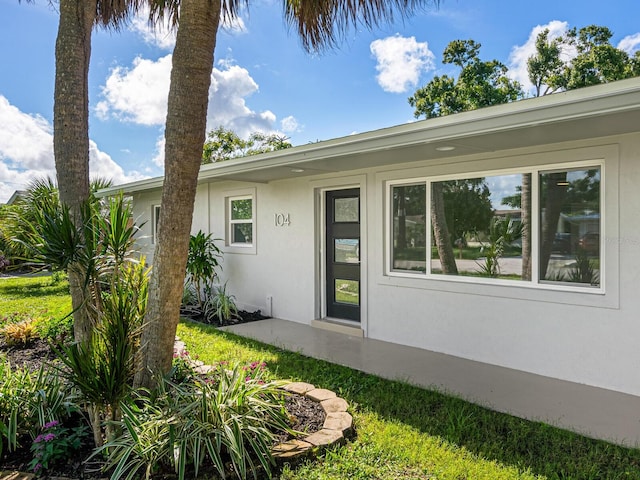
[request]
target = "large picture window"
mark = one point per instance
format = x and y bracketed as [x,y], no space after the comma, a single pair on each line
[480,227]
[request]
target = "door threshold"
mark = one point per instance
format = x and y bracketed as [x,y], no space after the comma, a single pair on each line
[334,325]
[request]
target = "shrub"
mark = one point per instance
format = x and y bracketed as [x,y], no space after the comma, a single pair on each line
[4,262]
[224,419]
[29,400]
[103,368]
[55,328]
[202,263]
[20,333]
[55,443]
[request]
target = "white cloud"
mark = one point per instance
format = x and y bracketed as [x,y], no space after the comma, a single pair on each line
[159,35]
[630,43]
[235,26]
[26,152]
[290,124]
[520,54]
[25,139]
[139,95]
[400,61]
[158,158]
[102,165]
[164,37]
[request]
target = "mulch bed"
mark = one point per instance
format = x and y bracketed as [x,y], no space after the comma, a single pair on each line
[242,317]
[305,415]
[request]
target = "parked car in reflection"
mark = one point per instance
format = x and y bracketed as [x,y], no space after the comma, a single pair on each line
[561,243]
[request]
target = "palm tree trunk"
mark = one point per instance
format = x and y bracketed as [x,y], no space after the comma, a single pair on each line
[555,194]
[185,134]
[71,129]
[441,231]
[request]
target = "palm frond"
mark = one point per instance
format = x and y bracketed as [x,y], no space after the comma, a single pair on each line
[321,24]
[114,14]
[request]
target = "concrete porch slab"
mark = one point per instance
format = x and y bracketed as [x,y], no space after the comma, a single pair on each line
[591,411]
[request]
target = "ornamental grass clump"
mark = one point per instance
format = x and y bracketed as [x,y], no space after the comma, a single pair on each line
[225,421]
[29,400]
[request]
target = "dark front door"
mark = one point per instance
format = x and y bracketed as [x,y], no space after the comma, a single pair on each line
[343,254]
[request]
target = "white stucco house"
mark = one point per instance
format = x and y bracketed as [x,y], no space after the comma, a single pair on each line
[338,234]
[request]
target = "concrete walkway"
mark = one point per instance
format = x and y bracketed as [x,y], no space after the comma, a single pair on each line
[592,411]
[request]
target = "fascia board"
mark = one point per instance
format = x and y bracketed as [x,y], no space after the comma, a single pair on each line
[599,100]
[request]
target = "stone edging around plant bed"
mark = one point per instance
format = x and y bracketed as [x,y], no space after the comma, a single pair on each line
[337,424]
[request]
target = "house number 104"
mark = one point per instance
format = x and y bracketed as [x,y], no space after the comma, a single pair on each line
[281,219]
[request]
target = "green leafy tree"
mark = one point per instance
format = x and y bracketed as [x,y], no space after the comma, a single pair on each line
[467,206]
[479,84]
[319,25]
[579,59]
[551,69]
[224,144]
[546,68]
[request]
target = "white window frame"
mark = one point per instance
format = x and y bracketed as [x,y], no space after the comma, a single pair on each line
[240,247]
[155,217]
[535,282]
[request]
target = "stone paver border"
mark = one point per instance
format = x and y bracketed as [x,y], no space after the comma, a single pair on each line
[337,425]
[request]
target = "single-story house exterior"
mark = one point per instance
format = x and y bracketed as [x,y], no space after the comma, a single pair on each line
[343,234]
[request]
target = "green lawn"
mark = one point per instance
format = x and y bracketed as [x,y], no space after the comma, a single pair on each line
[33,297]
[403,432]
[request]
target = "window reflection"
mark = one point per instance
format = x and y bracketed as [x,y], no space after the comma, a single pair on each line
[409,227]
[570,226]
[347,291]
[478,227]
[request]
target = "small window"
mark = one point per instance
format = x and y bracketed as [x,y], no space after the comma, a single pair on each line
[155,220]
[241,223]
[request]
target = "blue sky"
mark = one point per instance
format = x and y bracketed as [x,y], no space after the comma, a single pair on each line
[262,80]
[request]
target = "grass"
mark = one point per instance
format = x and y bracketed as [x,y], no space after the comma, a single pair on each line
[33,297]
[405,432]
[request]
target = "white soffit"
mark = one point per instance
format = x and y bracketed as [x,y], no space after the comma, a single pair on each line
[592,112]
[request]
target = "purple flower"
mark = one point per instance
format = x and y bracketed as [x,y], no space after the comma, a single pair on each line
[37,467]
[49,436]
[52,424]
[38,439]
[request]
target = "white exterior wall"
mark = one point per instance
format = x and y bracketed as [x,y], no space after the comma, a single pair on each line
[580,336]
[282,265]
